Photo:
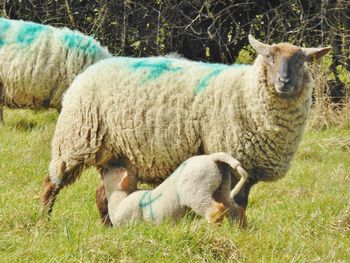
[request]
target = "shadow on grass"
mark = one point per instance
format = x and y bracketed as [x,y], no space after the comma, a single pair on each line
[25,125]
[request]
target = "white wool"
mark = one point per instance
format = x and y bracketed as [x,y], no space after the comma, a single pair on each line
[39,62]
[154,113]
[193,185]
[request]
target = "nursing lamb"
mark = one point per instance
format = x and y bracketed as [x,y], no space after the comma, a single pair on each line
[151,114]
[201,183]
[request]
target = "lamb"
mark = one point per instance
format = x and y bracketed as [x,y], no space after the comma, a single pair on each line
[198,184]
[151,114]
[39,62]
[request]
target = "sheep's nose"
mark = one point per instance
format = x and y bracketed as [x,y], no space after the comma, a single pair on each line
[283,80]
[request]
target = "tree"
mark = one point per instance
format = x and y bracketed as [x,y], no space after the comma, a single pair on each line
[209,30]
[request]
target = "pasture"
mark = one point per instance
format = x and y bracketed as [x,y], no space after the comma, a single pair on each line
[304,217]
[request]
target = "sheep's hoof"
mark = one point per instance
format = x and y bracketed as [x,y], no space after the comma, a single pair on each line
[218,215]
[241,218]
[51,191]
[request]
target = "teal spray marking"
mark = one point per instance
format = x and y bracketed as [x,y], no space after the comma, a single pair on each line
[147,200]
[80,42]
[29,32]
[4,27]
[216,70]
[203,83]
[156,68]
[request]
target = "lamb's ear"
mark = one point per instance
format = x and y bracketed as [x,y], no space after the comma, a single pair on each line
[261,48]
[124,182]
[315,53]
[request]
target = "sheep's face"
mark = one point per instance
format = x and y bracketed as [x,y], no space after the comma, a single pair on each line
[119,179]
[285,69]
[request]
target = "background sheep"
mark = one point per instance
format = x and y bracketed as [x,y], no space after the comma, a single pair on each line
[39,62]
[198,183]
[151,114]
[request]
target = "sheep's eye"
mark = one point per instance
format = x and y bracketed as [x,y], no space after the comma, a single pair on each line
[271,59]
[301,60]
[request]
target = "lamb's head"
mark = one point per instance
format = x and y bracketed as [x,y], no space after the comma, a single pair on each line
[285,65]
[119,179]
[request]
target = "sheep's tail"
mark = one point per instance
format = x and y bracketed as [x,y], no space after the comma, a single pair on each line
[228,159]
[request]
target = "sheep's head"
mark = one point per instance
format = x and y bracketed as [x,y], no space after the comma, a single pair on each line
[285,70]
[119,179]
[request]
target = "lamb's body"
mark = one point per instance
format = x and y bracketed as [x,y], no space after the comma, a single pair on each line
[154,113]
[39,62]
[194,184]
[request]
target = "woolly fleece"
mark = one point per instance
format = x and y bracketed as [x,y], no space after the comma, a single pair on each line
[39,62]
[154,113]
[193,185]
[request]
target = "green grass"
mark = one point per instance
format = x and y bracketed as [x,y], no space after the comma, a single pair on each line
[301,218]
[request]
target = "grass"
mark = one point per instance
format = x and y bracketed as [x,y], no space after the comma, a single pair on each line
[304,217]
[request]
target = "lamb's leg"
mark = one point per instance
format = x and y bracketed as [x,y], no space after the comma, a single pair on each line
[102,206]
[213,211]
[204,205]
[223,195]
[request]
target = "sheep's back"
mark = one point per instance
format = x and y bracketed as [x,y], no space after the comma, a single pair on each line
[39,62]
[149,108]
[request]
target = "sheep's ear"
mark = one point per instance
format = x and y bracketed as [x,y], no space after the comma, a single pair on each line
[315,53]
[124,182]
[261,48]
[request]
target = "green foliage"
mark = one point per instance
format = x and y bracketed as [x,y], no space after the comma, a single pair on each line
[215,31]
[303,217]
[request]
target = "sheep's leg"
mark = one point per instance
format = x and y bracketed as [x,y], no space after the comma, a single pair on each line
[102,206]
[211,210]
[52,189]
[101,199]
[2,123]
[204,205]
[241,199]
[222,195]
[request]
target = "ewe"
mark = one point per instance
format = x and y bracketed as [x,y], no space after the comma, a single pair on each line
[39,62]
[151,114]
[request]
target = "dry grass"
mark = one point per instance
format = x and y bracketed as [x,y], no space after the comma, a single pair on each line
[325,113]
[342,221]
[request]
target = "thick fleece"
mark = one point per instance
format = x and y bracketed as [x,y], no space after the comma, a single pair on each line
[39,62]
[198,184]
[154,113]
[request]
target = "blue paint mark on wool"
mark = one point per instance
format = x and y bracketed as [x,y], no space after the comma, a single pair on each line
[28,32]
[24,33]
[156,67]
[216,70]
[80,42]
[4,27]
[148,203]
[203,83]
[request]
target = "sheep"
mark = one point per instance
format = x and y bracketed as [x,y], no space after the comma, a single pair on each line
[151,114]
[198,184]
[38,63]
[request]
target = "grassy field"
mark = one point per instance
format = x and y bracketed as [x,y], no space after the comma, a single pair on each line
[304,217]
